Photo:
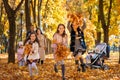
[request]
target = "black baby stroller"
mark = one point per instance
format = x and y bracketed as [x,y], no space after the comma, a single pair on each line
[97,57]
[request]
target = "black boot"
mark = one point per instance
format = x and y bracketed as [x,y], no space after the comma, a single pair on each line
[103,62]
[55,68]
[78,68]
[63,71]
[83,67]
[38,60]
[76,62]
[42,61]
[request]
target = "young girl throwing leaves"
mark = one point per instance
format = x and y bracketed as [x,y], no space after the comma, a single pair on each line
[60,46]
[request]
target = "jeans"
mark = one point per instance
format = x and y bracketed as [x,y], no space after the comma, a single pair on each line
[31,66]
[21,62]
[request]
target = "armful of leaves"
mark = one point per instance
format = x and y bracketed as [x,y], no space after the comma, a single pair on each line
[27,50]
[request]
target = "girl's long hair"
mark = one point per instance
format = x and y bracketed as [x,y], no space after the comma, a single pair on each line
[36,40]
[64,33]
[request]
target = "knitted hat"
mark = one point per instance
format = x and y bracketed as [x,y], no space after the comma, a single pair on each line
[20,43]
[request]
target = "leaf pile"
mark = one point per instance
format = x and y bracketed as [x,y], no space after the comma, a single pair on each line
[27,49]
[46,72]
[62,52]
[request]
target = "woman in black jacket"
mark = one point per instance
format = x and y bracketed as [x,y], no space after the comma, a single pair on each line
[77,44]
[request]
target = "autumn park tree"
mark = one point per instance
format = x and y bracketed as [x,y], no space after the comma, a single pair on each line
[102,19]
[11,14]
[105,22]
[27,14]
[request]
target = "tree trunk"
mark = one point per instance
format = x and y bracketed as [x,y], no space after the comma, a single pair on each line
[105,26]
[34,10]
[39,9]
[27,14]
[1,13]
[45,15]
[106,36]
[98,31]
[98,38]
[1,24]
[12,29]
[106,32]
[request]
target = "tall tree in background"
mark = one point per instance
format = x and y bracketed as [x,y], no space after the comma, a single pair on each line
[27,14]
[33,4]
[105,22]
[39,9]
[11,14]
[98,31]
[45,14]
[1,11]
[1,25]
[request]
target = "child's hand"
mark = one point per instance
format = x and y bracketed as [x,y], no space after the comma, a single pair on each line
[31,60]
[32,51]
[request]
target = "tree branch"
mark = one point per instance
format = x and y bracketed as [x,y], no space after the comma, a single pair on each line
[19,5]
[7,6]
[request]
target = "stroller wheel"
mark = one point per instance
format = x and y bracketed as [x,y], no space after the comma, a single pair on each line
[91,67]
[105,67]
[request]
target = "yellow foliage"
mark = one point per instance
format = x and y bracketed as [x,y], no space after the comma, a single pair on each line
[6,27]
[56,14]
[114,30]
[90,34]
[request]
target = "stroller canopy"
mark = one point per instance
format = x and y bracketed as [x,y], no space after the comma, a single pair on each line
[100,48]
